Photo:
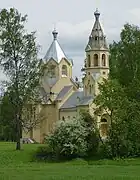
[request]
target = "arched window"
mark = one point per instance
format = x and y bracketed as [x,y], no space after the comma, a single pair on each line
[64,70]
[103,120]
[88,61]
[51,70]
[103,127]
[96,38]
[103,60]
[95,59]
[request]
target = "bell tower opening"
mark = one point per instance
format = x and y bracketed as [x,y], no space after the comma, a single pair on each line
[52,71]
[103,60]
[95,60]
[64,70]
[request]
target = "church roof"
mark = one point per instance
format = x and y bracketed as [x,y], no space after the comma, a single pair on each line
[97,39]
[55,51]
[63,92]
[85,100]
[77,99]
[72,100]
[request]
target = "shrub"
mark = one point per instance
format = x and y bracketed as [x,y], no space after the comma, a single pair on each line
[68,139]
[72,138]
[43,153]
[119,143]
[104,151]
[93,133]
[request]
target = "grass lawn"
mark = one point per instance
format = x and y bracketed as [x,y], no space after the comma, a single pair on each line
[16,165]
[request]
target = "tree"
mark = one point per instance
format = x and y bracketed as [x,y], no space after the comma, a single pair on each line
[93,136]
[125,60]
[6,119]
[125,67]
[18,56]
[123,119]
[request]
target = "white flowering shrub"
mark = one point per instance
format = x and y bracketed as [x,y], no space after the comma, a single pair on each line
[69,138]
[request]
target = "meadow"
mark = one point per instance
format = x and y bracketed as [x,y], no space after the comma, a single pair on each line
[17,165]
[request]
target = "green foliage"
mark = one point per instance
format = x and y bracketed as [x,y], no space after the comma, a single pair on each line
[120,96]
[18,57]
[123,120]
[110,97]
[7,116]
[72,138]
[93,137]
[44,153]
[124,60]
[68,139]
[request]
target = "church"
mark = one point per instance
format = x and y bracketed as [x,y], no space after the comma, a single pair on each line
[62,98]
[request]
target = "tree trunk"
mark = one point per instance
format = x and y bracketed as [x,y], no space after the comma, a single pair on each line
[17,104]
[18,134]
[18,145]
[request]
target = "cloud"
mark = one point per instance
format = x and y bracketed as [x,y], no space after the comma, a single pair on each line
[74,37]
[135,12]
[74,21]
[135,16]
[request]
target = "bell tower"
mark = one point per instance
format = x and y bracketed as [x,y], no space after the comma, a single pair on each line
[97,58]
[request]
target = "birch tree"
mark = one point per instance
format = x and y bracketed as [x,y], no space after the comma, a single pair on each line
[18,57]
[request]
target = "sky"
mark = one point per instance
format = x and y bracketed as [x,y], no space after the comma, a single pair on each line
[74,20]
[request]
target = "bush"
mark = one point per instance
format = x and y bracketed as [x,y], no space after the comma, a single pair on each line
[123,140]
[93,133]
[72,138]
[104,151]
[68,139]
[120,143]
[44,153]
